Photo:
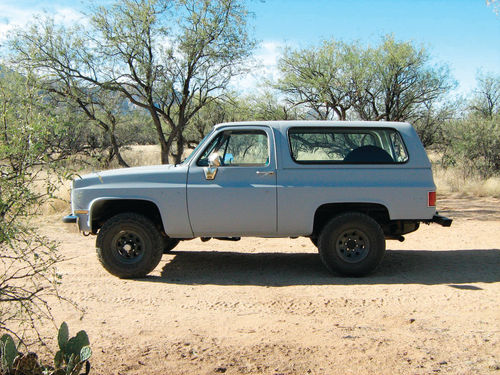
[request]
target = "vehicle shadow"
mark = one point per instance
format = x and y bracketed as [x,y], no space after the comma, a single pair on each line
[453,267]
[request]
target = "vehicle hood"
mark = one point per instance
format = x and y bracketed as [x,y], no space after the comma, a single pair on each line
[155,173]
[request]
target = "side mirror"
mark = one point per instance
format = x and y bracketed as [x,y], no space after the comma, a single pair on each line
[213,164]
[214,160]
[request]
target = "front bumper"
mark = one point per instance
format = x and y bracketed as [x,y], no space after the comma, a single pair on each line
[70,219]
[81,219]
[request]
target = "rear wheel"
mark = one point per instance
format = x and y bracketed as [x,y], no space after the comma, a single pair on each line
[352,244]
[129,245]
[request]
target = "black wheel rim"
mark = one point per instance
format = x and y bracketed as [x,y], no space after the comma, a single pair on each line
[352,245]
[128,246]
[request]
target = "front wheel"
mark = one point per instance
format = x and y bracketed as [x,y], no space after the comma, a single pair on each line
[129,245]
[352,244]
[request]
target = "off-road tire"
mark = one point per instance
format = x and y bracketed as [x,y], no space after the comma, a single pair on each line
[352,244]
[129,245]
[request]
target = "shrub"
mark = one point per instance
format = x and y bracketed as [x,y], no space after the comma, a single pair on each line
[473,145]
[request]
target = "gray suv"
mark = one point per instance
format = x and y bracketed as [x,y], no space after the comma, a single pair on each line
[348,186]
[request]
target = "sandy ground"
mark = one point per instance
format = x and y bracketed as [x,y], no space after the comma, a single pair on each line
[267,306]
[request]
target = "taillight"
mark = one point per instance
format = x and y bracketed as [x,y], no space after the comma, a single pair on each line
[431,199]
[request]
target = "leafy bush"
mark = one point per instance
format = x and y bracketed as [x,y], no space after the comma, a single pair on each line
[473,145]
[29,174]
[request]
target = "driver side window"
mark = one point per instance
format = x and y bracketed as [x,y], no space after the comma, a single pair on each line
[238,148]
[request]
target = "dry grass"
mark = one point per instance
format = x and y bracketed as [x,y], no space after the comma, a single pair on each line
[452,181]
[140,155]
[61,202]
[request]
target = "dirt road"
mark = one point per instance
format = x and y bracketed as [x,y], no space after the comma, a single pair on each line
[268,305]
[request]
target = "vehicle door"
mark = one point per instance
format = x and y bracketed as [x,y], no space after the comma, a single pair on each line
[231,186]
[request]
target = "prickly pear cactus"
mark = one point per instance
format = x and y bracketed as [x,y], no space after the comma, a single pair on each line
[75,344]
[73,352]
[8,353]
[85,353]
[72,356]
[63,336]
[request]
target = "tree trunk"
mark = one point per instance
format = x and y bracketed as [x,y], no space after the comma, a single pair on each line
[180,148]
[116,150]
[164,145]
[164,152]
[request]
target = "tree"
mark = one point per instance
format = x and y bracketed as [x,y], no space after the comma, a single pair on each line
[399,81]
[215,112]
[102,108]
[431,118]
[338,80]
[29,159]
[319,79]
[64,65]
[266,107]
[473,145]
[486,98]
[261,107]
[169,58]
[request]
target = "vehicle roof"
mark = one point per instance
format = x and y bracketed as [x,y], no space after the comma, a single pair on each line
[318,123]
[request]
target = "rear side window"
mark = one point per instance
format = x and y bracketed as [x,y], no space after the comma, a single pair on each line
[347,146]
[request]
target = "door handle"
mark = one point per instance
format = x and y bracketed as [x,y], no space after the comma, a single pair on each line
[262,173]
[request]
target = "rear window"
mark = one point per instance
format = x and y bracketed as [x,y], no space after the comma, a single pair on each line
[347,146]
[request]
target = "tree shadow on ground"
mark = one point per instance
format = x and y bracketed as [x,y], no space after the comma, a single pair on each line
[454,267]
[482,209]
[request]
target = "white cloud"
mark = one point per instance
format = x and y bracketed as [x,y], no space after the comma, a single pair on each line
[13,16]
[265,67]
[68,16]
[4,30]
[269,52]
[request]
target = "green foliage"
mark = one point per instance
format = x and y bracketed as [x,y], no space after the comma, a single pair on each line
[74,353]
[30,172]
[262,107]
[131,52]
[485,101]
[391,81]
[473,145]
[320,78]
[431,120]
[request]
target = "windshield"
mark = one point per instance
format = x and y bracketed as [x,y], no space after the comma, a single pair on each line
[188,159]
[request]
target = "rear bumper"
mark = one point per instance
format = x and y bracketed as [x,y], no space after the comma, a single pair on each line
[441,220]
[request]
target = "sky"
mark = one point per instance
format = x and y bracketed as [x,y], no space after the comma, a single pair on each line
[464,34]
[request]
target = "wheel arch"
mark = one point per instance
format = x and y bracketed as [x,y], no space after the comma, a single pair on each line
[104,208]
[327,211]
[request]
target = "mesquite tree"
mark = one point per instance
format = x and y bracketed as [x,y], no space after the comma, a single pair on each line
[168,58]
[29,155]
[391,81]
